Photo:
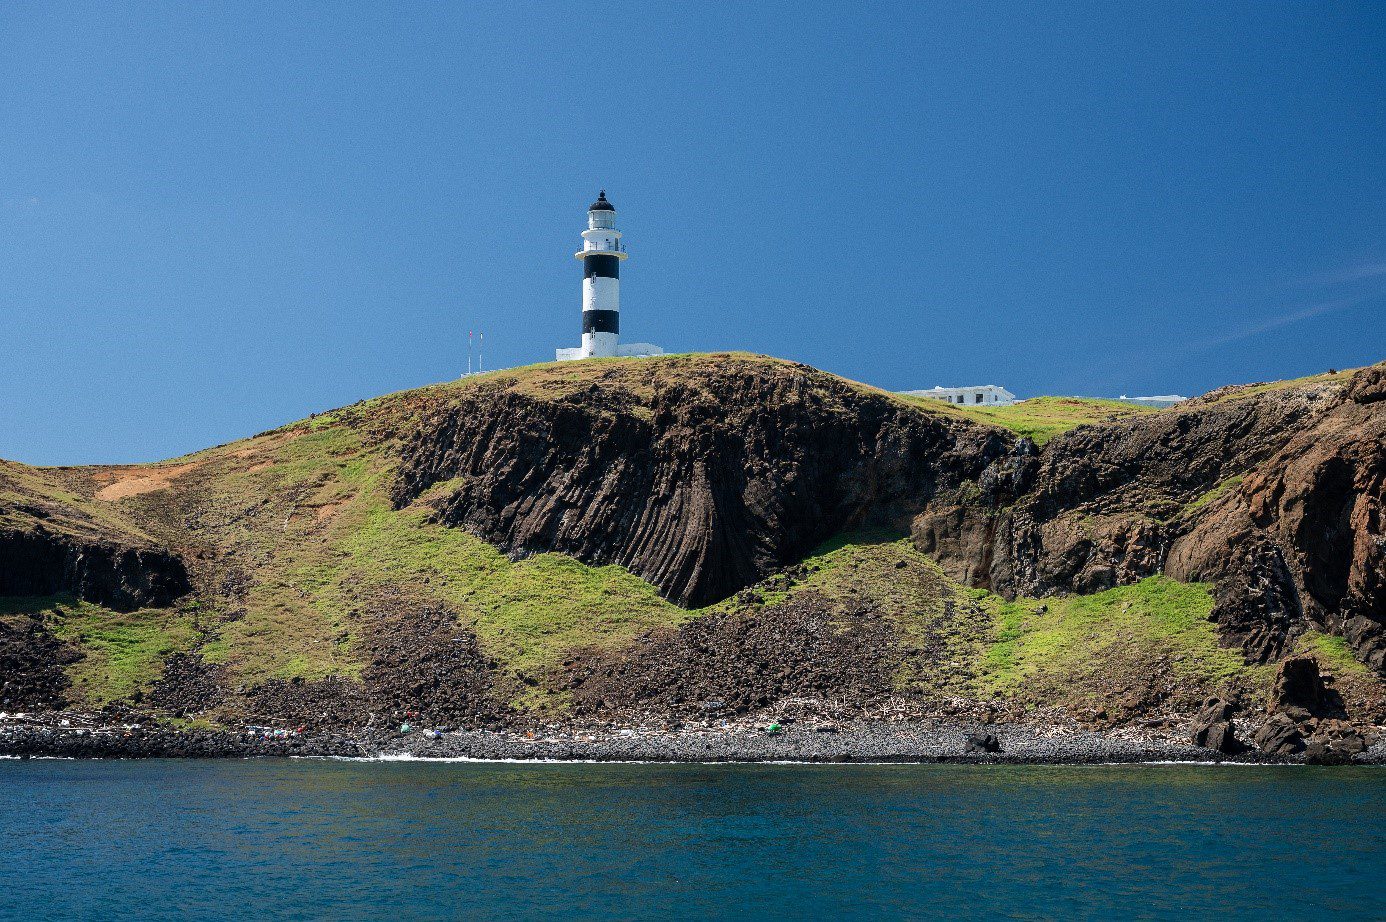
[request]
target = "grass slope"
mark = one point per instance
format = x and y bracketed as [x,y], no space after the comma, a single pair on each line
[1109,651]
[1084,646]
[1242,391]
[122,653]
[304,515]
[54,496]
[1042,418]
[1039,418]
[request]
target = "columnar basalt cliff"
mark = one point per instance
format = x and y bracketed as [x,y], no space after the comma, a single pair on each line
[1273,495]
[122,577]
[701,486]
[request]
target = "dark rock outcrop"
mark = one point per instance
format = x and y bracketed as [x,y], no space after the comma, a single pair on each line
[981,743]
[1299,690]
[1279,736]
[1303,716]
[1213,728]
[1334,743]
[702,484]
[118,575]
[1275,497]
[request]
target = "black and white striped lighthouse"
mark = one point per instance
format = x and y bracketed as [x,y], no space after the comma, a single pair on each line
[601,254]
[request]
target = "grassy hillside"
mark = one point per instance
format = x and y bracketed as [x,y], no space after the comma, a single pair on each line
[123,653]
[55,497]
[293,540]
[1039,418]
[293,544]
[1111,651]
[1242,391]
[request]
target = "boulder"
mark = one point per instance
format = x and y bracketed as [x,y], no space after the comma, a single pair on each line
[1278,736]
[1298,688]
[1222,737]
[981,743]
[1213,728]
[1319,750]
[1334,743]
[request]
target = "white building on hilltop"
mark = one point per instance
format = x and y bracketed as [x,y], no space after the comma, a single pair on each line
[601,255]
[991,395]
[1160,402]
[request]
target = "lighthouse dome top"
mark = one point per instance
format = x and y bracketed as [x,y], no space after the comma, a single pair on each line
[601,204]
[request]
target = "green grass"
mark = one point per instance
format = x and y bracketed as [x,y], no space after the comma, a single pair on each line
[1332,653]
[1085,651]
[66,510]
[1045,645]
[1039,418]
[124,652]
[528,613]
[1043,418]
[315,577]
[940,630]
[1204,499]
[1251,390]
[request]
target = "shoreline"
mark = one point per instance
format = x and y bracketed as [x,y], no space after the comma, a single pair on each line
[851,742]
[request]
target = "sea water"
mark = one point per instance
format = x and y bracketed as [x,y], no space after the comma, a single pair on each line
[321,839]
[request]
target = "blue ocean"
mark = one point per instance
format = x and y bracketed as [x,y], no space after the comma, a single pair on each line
[320,839]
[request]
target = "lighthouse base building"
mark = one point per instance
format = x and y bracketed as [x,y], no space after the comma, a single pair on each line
[602,254]
[623,350]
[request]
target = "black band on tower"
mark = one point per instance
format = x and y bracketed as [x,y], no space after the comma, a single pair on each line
[601,321]
[607,267]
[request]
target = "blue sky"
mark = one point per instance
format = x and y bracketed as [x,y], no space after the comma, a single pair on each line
[217,220]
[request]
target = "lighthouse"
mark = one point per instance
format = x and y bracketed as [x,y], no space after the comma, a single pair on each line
[601,255]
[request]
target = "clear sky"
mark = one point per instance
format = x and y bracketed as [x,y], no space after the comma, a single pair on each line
[217,220]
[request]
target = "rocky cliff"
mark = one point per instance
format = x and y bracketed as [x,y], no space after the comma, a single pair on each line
[700,484]
[1274,494]
[697,535]
[52,542]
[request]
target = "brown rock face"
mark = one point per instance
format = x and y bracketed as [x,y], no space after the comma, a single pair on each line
[1275,497]
[700,483]
[1303,538]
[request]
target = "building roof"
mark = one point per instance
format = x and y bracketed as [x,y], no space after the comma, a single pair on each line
[941,391]
[601,204]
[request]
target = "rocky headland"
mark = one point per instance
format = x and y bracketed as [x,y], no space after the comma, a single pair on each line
[717,556]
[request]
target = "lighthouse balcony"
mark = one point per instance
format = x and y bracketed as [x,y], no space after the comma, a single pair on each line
[619,254]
